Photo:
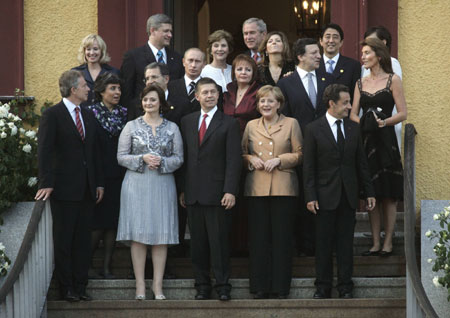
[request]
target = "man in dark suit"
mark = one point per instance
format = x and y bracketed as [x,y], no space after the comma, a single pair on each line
[211,177]
[334,165]
[344,70]
[159,29]
[254,30]
[303,93]
[70,175]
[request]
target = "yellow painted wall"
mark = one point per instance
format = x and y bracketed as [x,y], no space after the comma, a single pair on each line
[53,30]
[423,53]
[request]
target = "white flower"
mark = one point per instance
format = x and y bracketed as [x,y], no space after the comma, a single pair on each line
[30,134]
[430,260]
[436,281]
[6,265]
[436,217]
[3,135]
[3,112]
[428,233]
[6,107]
[22,131]
[32,181]
[13,131]
[446,266]
[2,247]
[17,118]
[11,125]
[439,245]
[27,148]
[446,213]
[2,123]
[10,116]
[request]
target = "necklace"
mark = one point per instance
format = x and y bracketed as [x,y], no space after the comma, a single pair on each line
[269,125]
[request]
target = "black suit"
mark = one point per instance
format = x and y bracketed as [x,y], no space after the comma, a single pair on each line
[299,106]
[347,71]
[132,70]
[72,167]
[332,178]
[210,170]
[179,101]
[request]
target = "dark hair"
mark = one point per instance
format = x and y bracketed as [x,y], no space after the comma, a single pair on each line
[163,105]
[102,82]
[216,36]
[299,47]
[244,58]
[332,26]
[163,68]
[267,89]
[68,80]
[286,54]
[381,51]
[204,81]
[382,33]
[333,92]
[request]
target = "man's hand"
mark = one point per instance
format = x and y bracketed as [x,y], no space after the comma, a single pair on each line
[43,194]
[257,163]
[271,164]
[313,206]
[152,161]
[371,202]
[100,193]
[181,198]
[228,201]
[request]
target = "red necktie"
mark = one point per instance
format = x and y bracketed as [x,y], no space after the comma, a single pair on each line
[202,131]
[255,57]
[78,122]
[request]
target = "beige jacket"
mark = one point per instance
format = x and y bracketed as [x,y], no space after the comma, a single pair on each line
[284,140]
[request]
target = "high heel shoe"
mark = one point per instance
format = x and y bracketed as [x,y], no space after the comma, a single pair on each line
[159,297]
[140,297]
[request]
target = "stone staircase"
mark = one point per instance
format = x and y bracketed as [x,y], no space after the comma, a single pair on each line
[379,289]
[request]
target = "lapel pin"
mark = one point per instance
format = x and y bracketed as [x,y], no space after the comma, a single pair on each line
[323,79]
[342,71]
[171,107]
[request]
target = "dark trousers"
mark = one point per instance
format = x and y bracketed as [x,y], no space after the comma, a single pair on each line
[72,242]
[305,223]
[335,228]
[271,221]
[210,240]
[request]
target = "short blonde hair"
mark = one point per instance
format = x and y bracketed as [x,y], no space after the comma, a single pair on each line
[88,41]
[268,89]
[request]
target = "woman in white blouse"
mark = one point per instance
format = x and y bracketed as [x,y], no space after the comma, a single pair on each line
[220,44]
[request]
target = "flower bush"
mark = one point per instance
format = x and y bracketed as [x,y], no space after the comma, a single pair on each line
[442,250]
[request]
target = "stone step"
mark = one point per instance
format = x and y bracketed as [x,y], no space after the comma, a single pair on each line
[363,222]
[183,289]
[303,308]
[302,266]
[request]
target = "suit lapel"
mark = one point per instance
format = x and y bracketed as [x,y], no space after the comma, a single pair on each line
[349,133]
[66,117]
[216,121]
[87,123]
[149,54]
[327,131]
[298,83]
[340,68]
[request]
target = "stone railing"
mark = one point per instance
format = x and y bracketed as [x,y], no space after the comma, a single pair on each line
[23,292]
[417,303]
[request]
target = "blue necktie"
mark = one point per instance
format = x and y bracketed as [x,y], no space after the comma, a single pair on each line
[160,56]
[330,68]
[311,90]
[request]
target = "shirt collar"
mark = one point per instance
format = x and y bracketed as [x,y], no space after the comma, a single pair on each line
[70,106]
[155,51]
[302,73]
[335,59]
[187,81]
[210,113]
[331,119]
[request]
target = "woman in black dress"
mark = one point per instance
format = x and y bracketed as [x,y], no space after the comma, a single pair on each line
[276,58]
[111,118]
[377,94]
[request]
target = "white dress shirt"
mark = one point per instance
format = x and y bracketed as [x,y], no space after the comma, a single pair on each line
[71,108]
[187,82]
[326,59]
[208,119]
[304,77]
[155,52]
[332,122]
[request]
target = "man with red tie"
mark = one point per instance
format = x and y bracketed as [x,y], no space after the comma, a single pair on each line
[210,179]
[254,30]
[71,176]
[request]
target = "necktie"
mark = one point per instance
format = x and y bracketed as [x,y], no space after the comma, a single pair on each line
[311,90]
[78,122]
[191,93]
[202,130]
[340,136]
[330,67]
[256,57]
[160,57]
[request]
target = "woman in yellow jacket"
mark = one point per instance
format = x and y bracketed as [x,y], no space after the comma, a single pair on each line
[271,149]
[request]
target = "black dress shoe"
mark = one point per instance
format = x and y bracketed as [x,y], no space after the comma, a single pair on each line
[261,295]
[85,296]
[385,253]
[224,296]
[70,296]
[370,253]
[346,295]
[202,296]
[322,294]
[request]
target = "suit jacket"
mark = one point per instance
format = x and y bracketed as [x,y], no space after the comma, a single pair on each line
[132,70]
[297,103]
[346,71]
[326,173]
[212,168]
[66,163]
[283,141]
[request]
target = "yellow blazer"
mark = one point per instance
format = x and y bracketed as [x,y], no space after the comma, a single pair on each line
[283,140]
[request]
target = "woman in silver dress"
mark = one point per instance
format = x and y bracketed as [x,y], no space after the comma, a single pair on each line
[151,149]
